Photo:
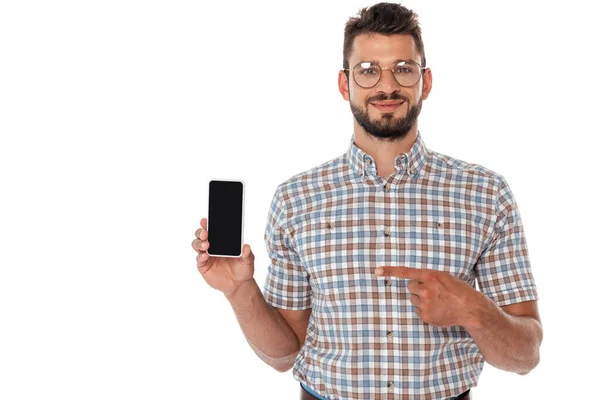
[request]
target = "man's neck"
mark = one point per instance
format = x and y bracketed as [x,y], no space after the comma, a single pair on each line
[383,151]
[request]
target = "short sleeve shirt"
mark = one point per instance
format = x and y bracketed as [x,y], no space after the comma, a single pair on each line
[327,230]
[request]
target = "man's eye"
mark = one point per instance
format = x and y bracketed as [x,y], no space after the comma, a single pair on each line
[402,70]
[368,71]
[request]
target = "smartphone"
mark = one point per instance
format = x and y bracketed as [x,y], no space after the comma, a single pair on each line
[225,218]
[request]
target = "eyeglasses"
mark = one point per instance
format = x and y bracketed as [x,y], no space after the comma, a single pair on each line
[367,74]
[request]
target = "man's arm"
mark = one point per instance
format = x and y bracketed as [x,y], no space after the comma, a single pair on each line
[508,337]
[267,330]
[298,321]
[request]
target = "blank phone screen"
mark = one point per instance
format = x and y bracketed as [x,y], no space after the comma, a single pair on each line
[225,208]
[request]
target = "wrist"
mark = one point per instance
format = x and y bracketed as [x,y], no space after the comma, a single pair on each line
[475,311]
[240,291]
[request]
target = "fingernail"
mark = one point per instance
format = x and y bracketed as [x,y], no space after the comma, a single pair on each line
[378,271]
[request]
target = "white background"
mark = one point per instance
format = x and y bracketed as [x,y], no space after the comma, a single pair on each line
[114,116]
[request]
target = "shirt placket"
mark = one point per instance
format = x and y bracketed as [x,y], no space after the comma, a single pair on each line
[386,210]
[390,237]
[387,239]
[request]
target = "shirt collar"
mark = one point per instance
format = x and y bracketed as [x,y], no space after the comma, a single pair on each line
[412,161]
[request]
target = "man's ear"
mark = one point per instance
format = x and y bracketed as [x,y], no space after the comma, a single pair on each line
[344,85]
[427,83]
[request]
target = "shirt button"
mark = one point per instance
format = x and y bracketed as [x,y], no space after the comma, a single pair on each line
[388,282]
[386,233]
[440,225]
[386,187]
[411,171]
[390,334]
[369,162]
[390,385]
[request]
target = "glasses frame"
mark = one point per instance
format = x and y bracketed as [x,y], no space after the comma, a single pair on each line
[383,69]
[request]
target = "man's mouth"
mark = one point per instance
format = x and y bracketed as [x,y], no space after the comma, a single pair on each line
[387,105]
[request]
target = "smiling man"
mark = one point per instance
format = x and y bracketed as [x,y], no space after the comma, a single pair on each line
[388,114]
[375,255]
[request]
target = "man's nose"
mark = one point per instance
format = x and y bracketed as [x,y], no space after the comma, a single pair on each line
[388,82]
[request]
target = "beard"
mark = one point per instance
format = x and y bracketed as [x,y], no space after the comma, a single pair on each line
[387,128]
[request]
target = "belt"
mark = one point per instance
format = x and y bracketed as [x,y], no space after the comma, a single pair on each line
[306,395]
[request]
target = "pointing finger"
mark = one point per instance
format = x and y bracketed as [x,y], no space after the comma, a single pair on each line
[402,272]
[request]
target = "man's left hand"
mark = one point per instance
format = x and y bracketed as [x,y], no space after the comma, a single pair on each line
[439,298]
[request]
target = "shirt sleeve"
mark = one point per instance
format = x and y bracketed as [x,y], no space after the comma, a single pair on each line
[286,285]
[503,269]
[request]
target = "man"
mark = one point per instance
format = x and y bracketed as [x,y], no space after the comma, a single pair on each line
[415,328]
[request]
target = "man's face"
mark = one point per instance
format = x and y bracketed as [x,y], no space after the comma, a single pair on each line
[387,111]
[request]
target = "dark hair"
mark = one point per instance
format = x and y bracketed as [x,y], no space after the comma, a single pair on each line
[383,18]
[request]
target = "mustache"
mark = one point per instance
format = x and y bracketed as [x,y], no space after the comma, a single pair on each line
[383,96]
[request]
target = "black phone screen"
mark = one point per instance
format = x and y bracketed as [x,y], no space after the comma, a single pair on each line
[225,219]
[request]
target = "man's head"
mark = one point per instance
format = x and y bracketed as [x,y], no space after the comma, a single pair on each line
[384,76]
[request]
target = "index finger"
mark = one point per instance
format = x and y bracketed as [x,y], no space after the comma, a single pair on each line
[402,272]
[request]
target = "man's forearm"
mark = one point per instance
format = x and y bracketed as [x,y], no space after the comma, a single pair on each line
[507,342]
[269,335]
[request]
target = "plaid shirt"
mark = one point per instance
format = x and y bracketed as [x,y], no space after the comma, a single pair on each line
[330,227]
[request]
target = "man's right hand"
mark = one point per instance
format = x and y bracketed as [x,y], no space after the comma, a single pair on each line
[225,274]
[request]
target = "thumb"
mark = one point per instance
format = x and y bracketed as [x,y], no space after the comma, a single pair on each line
[247,255]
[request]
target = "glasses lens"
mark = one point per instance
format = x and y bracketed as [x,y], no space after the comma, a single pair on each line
[367,74]
[407,73]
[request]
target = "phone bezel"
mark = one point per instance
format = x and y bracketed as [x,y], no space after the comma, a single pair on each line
[243,213]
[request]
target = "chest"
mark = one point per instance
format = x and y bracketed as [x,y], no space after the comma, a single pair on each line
[344,238]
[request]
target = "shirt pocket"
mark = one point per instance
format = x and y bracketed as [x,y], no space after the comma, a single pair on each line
[333,249]
[444,244]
